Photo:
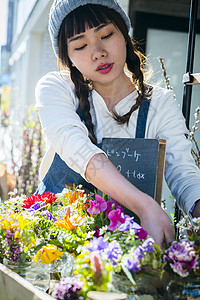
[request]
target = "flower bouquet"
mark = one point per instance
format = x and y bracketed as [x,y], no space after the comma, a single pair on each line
[105,244]
[183,261]
[115,249]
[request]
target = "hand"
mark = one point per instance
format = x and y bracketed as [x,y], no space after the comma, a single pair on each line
[109,180]
[196,211]
[158,224]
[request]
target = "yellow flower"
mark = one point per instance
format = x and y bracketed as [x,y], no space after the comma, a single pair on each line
[47,254]
[14,221]
[17,235]
[22,222]
[66,222]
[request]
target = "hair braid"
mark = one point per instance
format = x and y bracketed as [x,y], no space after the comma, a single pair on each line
[82,91]
[133,62]
[81,87]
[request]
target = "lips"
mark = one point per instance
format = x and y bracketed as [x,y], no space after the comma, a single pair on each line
[104,68]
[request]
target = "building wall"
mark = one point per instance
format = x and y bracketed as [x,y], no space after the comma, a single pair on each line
[27,52]
[23,11]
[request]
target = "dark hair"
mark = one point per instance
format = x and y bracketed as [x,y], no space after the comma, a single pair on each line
[89,16]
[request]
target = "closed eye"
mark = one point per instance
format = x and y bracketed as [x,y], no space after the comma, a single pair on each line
[80,48]
[107,36]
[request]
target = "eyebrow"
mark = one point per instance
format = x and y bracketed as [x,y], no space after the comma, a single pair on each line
[82,36]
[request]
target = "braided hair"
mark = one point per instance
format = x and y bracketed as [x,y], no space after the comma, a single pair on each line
[89,16]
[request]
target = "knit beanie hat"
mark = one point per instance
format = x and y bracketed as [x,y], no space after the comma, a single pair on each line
[61,8]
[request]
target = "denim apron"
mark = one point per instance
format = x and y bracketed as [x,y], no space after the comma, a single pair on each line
[60,173]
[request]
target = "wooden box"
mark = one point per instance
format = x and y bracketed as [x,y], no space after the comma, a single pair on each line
[14,287]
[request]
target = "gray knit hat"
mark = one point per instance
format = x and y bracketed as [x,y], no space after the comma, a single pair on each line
[61,8]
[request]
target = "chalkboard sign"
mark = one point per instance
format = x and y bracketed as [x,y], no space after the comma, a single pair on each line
[137,160]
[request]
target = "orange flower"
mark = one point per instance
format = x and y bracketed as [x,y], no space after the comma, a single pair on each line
[66,222]
[73,196]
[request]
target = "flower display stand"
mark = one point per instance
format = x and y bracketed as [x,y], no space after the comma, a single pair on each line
[14,287]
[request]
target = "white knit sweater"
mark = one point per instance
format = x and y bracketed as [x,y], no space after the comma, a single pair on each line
[68,136]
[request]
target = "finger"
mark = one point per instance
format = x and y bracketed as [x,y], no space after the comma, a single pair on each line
[169,238]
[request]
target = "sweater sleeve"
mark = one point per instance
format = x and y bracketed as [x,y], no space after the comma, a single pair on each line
[57,104]
[181,173]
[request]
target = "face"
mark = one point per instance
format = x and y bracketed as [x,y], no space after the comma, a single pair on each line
[99,53]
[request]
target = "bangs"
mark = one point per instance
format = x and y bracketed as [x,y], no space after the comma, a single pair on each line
[83,18]
[87,16]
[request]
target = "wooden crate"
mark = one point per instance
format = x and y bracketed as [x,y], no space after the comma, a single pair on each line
[14,287]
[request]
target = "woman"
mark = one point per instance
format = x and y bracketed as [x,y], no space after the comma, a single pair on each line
[97,98]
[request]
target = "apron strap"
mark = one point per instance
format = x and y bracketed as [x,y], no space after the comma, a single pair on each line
[143,112]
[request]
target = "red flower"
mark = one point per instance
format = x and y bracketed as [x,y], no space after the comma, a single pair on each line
[31,200]
[48,198]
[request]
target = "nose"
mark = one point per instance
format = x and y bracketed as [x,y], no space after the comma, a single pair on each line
[98,51]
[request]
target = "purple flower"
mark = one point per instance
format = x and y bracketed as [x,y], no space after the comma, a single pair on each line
[181,251]
[116,219]
[147,245]
[112,205]
[133,264]
[97,206]
[97,244]
[50,216]
[67,288]
[142,234]
[36,206]
[97,231]
[113,251]
[182,257]
[129,224]
[139,252]
[126,225]
[14,247]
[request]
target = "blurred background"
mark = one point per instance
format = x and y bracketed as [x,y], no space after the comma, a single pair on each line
[161,27]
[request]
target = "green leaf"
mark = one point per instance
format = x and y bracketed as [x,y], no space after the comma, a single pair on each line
[128,274]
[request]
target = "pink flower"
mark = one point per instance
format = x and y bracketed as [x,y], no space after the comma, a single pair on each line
[97,268]
[97,206]
[116,219]
[111,205]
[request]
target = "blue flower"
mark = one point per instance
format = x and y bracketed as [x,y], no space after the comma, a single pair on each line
[148,242]
[97,244]
[133,264]
[50,216]
[36,206]
[139,252]
[113,251]
[129,224]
